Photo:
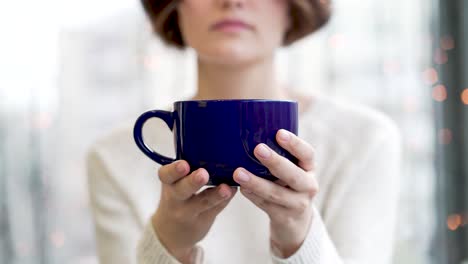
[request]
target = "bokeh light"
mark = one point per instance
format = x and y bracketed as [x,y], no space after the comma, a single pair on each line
[439,93]
[445,136]
[447,43]
[464,96]
[454,221]
[440,56]
[430,76]
[57,238]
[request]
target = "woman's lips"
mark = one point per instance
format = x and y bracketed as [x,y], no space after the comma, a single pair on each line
[231,26]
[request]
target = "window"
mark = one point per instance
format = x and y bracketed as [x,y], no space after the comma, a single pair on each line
[89,72]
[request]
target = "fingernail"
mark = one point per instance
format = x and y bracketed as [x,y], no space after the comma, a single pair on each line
[284,135]
[263,151]
[200,177]
[242,176]
[180,167]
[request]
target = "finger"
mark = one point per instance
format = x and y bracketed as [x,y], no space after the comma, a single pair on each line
[282,183]
[268,207]
[189,185]
[214,211]
[209,198]
[283,169]
[173,172]
[299,148]
[267,190]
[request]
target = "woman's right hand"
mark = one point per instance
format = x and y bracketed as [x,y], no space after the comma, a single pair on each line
[184,216]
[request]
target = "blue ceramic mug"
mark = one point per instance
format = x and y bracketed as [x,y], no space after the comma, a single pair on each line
[220,135]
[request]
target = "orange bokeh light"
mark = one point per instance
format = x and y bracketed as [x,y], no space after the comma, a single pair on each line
[439,93]
[464,96]
[454,221]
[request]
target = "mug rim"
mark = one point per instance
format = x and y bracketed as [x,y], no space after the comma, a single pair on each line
[236,101]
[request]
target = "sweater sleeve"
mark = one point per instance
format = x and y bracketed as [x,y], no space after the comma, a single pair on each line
[150,250]
[116,227]
[317,247]
[360,229]
[119,236]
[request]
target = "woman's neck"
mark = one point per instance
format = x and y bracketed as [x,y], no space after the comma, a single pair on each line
[249,81]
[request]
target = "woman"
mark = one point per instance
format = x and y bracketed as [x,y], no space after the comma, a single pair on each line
[349,151]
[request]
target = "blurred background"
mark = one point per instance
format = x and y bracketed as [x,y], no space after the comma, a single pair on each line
[72,70]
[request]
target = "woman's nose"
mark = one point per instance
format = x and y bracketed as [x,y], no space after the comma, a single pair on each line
[231,3]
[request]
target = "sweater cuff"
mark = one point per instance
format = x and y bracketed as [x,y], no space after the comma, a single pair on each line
[151,251]
[316,248]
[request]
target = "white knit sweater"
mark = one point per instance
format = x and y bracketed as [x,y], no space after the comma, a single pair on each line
[358,158]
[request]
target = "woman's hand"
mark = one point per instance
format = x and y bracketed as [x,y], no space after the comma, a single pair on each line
[184,217]
[288,201]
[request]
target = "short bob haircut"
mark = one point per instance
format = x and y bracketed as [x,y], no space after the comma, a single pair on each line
[307,16]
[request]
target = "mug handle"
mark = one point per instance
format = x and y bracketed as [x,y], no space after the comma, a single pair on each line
[168,118]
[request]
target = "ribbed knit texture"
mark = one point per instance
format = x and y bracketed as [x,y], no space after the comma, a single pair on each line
[150,250]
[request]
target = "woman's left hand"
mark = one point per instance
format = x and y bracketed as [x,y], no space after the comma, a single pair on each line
[288,202]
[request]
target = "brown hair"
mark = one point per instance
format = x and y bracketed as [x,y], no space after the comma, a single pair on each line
[307,16]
